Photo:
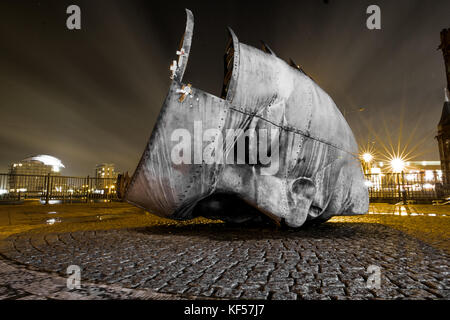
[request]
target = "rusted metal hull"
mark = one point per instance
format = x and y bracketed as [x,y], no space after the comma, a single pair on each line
[318,171]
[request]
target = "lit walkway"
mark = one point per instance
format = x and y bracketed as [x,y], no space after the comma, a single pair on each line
[122,246]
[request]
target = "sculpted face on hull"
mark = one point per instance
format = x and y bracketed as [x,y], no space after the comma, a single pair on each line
[274,145]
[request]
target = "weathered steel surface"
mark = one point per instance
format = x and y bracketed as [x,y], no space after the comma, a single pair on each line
[318,176]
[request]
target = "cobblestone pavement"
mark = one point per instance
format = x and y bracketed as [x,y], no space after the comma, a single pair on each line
[21,283]
[213,260]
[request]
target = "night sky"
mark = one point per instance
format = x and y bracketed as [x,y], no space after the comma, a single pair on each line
[93,95]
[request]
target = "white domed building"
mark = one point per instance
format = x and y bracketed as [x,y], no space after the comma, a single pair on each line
[38,167]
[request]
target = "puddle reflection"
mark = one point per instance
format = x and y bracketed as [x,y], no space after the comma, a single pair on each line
[52,221]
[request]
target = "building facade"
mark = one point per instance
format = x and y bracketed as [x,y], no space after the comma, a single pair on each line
[105,176]
[30,174]
[443,135]
[419,167]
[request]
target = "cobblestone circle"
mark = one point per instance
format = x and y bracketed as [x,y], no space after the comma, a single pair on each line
[329,261]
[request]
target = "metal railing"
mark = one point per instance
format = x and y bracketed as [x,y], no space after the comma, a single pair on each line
[52,188]
[403,187]
[391,187]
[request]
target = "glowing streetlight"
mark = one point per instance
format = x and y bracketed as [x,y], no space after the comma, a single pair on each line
[397,165]
[367,157]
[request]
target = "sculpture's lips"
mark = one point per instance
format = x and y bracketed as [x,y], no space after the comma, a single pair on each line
[185,210]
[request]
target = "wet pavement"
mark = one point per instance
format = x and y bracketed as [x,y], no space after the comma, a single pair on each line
[121,247]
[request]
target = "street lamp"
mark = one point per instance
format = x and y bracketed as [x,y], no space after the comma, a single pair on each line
[397,165]
[367,157]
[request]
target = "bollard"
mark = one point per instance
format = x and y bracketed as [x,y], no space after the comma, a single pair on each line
[47,195]
[404,193]
[88,189]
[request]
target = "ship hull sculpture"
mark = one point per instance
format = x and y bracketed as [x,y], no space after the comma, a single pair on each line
[314,171]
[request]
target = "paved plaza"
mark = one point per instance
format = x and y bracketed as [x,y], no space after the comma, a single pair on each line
[126,253]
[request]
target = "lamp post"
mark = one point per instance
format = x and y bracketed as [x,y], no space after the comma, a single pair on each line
[397,165]
[367,159]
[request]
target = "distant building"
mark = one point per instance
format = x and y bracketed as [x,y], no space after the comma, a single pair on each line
[409,167]
[443,136]
[29,174]
[419,166]
[106,176]
[414,177]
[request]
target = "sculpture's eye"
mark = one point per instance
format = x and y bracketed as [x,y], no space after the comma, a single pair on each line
[303,187]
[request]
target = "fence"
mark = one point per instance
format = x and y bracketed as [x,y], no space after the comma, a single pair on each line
[51,188]
[389,187]
[395,187]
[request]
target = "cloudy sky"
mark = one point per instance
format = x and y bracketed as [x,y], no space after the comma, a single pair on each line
[93,95]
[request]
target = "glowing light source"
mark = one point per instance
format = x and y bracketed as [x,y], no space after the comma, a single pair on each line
[53,221]
[429,175]
[397,165]
[55,163]
[375,170]
[368,183]
[367,157]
